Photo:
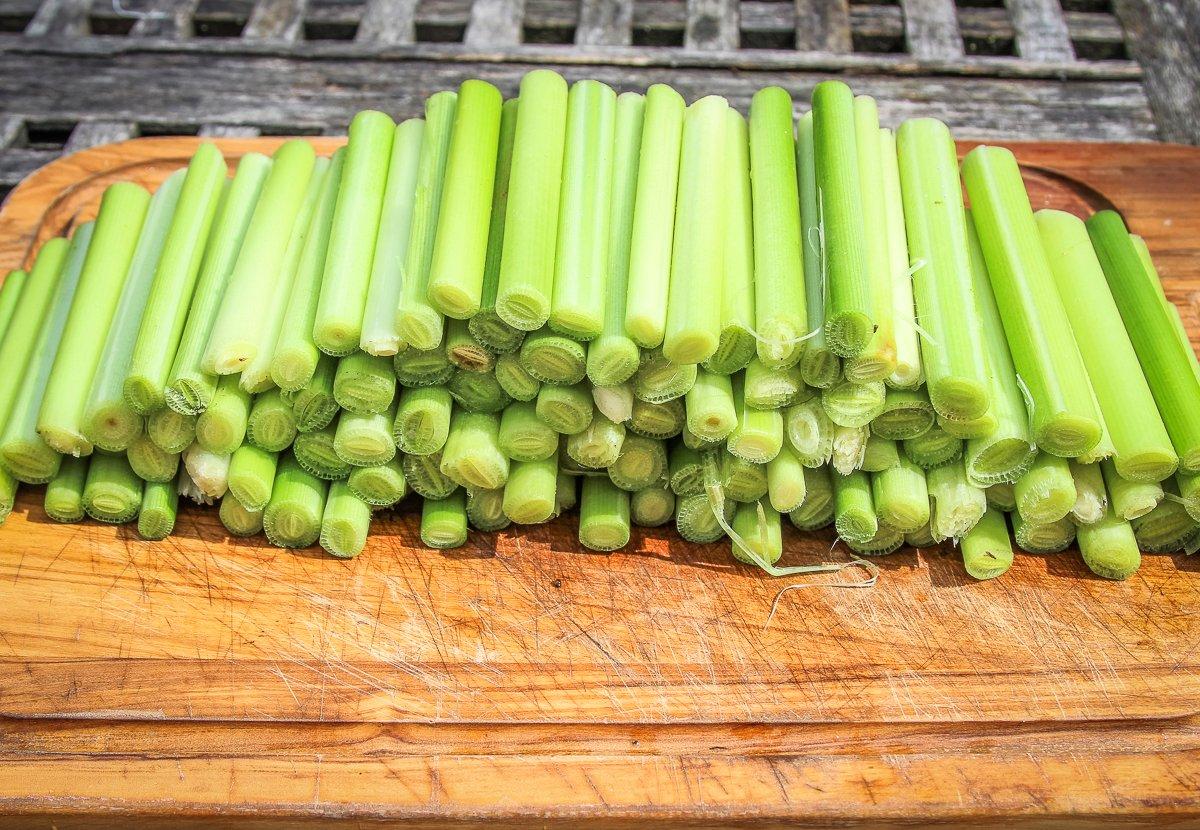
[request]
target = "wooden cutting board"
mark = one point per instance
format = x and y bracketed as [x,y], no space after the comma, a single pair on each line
[520,679]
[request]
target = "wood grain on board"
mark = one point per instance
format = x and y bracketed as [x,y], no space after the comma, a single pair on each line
[203,678]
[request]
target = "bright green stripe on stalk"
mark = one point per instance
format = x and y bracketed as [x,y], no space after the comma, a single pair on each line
[854,508]
[659,380]
[337,326]
[419,323]
[697,261]
[908,372]
[1143,449]
[379,333]
[313,404]
[566,409]
[758,436]
[292,518]
[553,358]
[737,344]
[613,357]
[222,427]
[641,463]
[60,421]
[906,413]
[477,392]
[486,325]
[651,507]
[64,492]
[773,388]
[364,383]
[272,423]
[109,421]
[472,457]
[1046,492]
[460,251]
[957,505]
[819,366]
[603,515]
[514,380]
[365,440]
[654,217]
[296,356]
[10,295]
[848,300]
[422,420]
[112,492]
[151,462]
[444,522]
[986,549]
[160,505]
[1109,548]
[786,481]
[315,453]
[234,340]
[1129,499]
[878,360]
[189,388]
[162,322]
[256,375]
[238,520]
[523,436]
[581,261]
[252,476]
[382,485]
[531,221]
[598,446]
[464,351]
[901,497]
[345,522]
[416,367]
[170,431]
[711,413]
[1065,419]
[952,347]
[529,494]
[1166,358]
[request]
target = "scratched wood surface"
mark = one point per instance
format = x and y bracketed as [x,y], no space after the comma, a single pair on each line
[203,679]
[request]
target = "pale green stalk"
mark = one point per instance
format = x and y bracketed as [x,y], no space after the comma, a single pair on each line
[444,522]
[382,485]
[222,427]
[908,373]
[10,295]
[422,420]
[901,497]
[651,507]
[642,462]
[150,462]
[819,366]
[238,520]
[472,457]
[956,504]
[292,518]
[529,494]
[170,431]
[272,422]
[364,384]
[112,492]
[252,476]
[566,409]
[1129,499]
[986,549]
[658,420]
[907,413]
[604,521]
[345,522]
[774,388]
[786,481]
[1046,493]
[64,492]
[711,412]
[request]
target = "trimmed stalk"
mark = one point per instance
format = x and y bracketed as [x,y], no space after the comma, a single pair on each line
[880,454]
[711,411]
[907,413]
[785,481]
[477,393]
[819,366]
[64,492]
[1168,527]
[686,468]
[1002,497]
[444,522]
[598,446]
[854,404]
[424,476]
[464,351]
[603,515]
[854,509]
[1046,493]
[345,522]
[901,497]
[553,358]
[208,471]
[315,452]
[485,510]
[10,295]
[364,384]
[529,494]
[933,448]
[112,492]
[759,534]
[238,520]
[1052,538]
[292,518]
[651,507]
[514,380]
[365,440]
[641,463]
[986,549]
[252,476]
[810,432]
[422,420]
[313,404]
[1109,548]
[222,427]
[696,522]
[818,508]
[170,431]
[772,388]
[758,436]
[657,420]
[523,436]
[150,462]
[956,504]
[472,457]
[160,506]
[416,368]
[1091,498]
[908,373]
[566,409]
[272,423]
[382,485]
[658,380]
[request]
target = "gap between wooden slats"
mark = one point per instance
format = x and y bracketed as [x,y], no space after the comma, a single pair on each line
[823,26]
[1041,30]
[228,131]
[94,133]
[388,22]
[495,23]
[166,19]
[276,20]
[931,29]
[60,18]
[712,25]
[605,23]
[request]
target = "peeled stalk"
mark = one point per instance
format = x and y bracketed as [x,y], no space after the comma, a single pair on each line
[849,448]
[819,366]
[908,373]
[957,505]
[810,433]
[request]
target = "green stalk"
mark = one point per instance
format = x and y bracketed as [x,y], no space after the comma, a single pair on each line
[188,387]
[292,518]
[222,427]
[531,216]
[472,457]
[514,380]
[854,509]
[785,481]
[854,404]
[810,432]
[1091,498]
[346,281]
[849,448]
[1166,528]
[659,380]
[160,318]
[933,448]
[658,420]
[565,493]
[486,325]
[234,341]
[112,492]
[651,507]
[382,485]
[170,431]
[654,217]
[529,494]
[313,404]
[272,423]
[1065,420]
[523,436]
[60,420]
[641,463]
[581,260]
[485,510]
[695,520]
[477,393]
[464,351]
[238,520]
[379,333]
[1051,538]
[953,349]
[209,471]
[923,538]
[986,549]
[759,534]
[884,541]
[10,295]
[109,422]
[424,476]
[444,522]
[603,515]
[908,373]
[455,284]
[758,436]
[711,413]
[1189,491]
[686,468]
[1143,449]
[1128,499]
[817,511]
[597,446]
[1045,493]
[419,322]
[819,366]
[553,358]
[422,420]
[160,505]
[150,462]
[64,492]
[1166,358]
[365,440]
[296,357]
[901,497]
[849,299]
[985,426]
[364,384]
[315,453]
[1002,497]
[880,454]
[345,522]
[566,409]
[956,504]
[768,387]
[613,357]
[697,260]
[415,368]
[737,344]
[1109,548]
[878,361]
[252,476]
[907,413]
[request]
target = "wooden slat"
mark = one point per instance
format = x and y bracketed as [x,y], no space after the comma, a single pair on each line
[170,19]
[495,23]
[95,133]
[60,18]
[389,22]
[228,131]
[281,20]
[931,29]
[823,26]
[605,23]
[1041,30]
[1162,37]
[712,25]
